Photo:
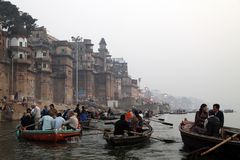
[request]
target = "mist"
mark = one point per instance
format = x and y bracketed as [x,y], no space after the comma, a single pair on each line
[184,48]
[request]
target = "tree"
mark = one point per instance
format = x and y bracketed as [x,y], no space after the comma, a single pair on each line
[14,21]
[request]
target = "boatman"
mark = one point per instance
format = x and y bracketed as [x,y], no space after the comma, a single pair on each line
[121,125]
[36,114]
[212,124]
[72,122]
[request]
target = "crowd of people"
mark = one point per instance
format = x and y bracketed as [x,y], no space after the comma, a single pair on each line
[49,118]
[130,121]
[209,122]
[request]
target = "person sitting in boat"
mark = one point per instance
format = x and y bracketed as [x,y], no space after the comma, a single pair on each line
[129,116]
[57,123]
[121,126]
[134,123]
[44,111]
[218,113]
[36,114]
[83,114]
[140,123]
[212,124]
[52,111]
[109,113]
[72,122]
[77,110]
[27,120]
[201,116]
[46,122]
[65,114]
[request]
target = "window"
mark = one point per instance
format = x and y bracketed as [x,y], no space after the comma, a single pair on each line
[20,56]
[25,44]
[20,44]
[37,35]
[63,50]
[44,54]
[44,65]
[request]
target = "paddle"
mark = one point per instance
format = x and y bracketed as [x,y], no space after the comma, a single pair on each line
[90,134]
[108,123]
[159,121]
[160,139]
[219,144]
[98,129]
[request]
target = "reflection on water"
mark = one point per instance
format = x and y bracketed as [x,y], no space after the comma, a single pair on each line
[92,147]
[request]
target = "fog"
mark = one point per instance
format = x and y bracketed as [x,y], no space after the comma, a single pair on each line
[181,47]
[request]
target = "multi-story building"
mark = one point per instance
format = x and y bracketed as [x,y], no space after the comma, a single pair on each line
[43,64]
[43,68]
[62,72]
[22,74]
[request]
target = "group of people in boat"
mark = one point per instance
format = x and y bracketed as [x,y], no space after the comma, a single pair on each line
[130,121]
[49,118]
[209,122]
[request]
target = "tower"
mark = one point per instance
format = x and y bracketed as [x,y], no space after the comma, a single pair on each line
[43,67]
[62,72]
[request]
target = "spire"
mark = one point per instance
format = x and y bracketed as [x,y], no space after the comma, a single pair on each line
[103,42]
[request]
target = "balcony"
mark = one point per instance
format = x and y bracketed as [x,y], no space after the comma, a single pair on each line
[46,70]
[23,61]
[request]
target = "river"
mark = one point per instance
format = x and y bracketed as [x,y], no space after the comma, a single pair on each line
[93,147]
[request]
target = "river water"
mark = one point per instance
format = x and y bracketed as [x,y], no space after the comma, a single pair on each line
[93,147]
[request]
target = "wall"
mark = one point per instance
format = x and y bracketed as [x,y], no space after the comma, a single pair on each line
[4,80]
[112,103]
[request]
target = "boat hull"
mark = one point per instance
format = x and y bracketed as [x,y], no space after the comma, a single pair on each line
[128,140]
[193,141]
[48,135]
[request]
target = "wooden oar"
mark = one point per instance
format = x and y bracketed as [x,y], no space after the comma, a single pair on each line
[160,139]
[161,119]
[219,144]
[107,123]
[90,134]
[165,123]
[98,129]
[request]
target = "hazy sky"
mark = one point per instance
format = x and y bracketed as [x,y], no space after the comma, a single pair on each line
[182,47]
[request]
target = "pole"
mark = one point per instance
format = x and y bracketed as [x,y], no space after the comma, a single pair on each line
[77,40]
[12,77]
[77,73]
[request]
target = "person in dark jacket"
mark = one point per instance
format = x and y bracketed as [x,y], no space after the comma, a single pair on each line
[120,126]
[27,120]
[218,113]
[44,112]
[77,110]
[212,124]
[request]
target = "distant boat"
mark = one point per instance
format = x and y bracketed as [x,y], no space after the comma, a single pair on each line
[179,111]
[228,111]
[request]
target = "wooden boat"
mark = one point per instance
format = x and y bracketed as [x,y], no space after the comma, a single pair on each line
[48,135]
[109,118]
[194,141]
[85,123]
[118,140]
